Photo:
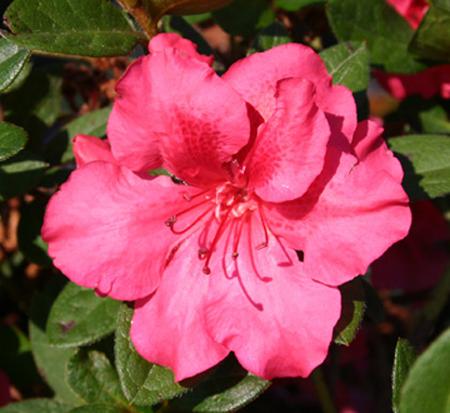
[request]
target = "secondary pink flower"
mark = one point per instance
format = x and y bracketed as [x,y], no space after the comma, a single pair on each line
[412,10]
[419,261]
[428,83]
[274,162]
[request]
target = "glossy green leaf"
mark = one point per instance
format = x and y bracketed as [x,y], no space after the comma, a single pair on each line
[12,60]
[432,38]
[271,36]
[427,386]
[100,408]
[426,163]
[37,406]
[373,21]
[294,5]
[404,358]
[91,376]
[228,388]
[36,104]
[348,64]
[12,140]
[76,27]
[143,383]
[434,119]
[29,234]
[244,17]
[92,123]
[80,317]
[50,361]
[352,313]
[19,173]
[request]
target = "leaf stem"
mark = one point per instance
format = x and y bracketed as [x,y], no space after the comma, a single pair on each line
[323,391]
[141,15]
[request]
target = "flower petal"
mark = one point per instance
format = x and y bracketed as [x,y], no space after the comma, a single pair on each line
[106,229]
[89,148]
[169,327]
[290,150]
[346,220]
[173,40]
[269,313]
[177,113]
[256,78]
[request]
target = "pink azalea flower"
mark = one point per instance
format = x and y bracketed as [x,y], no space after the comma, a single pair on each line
[412,10]
[418,261]
[274,162]
[427,83]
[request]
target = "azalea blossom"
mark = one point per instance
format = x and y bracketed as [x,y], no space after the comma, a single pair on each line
[412,10]
[278,197]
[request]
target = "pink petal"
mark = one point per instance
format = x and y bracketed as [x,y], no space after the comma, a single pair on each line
[346,220]
[372,150]
[89,148]
[177,113]
[256,78]
[106,229]
[268,312]
[290,149]
[172,40]
[412,10]
[428,83]
[169,327]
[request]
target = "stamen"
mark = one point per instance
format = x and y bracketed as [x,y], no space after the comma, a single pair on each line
[202,253]
[237,237]
[250,249]
[187,197]
[266,234]
[171,220]
[191,225]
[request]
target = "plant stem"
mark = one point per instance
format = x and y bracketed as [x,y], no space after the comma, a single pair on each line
[322,391]
[140,13]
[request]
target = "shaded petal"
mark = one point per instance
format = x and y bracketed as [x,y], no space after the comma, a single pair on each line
[177,113]
[106,229]
[256,78]
[169,327]
[346,220]
[175,41]
[89,148]
[267,312]
[290,150]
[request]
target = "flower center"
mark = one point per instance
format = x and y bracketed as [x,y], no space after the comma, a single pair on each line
[227,209]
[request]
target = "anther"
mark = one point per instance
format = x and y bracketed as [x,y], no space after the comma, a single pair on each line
[206,270]
[202,252]
[187,197]
[235,255]
[171,220]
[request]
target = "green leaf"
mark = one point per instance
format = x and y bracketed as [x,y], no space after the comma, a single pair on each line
[348,64]
[434,119]
[271,36]
[36,406]
[19,173]
[427,386]
[404,358]
[244,17]
[432,38]
[12,60]
[352,313]
[143,383]
[50,361]
[12,140]
[294,5]
[91,376]
[426,163]
[29,234]
[373,21]
[36,104]
[79,317]
[227,389]
[76,27]
[100,408]
[92,123]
